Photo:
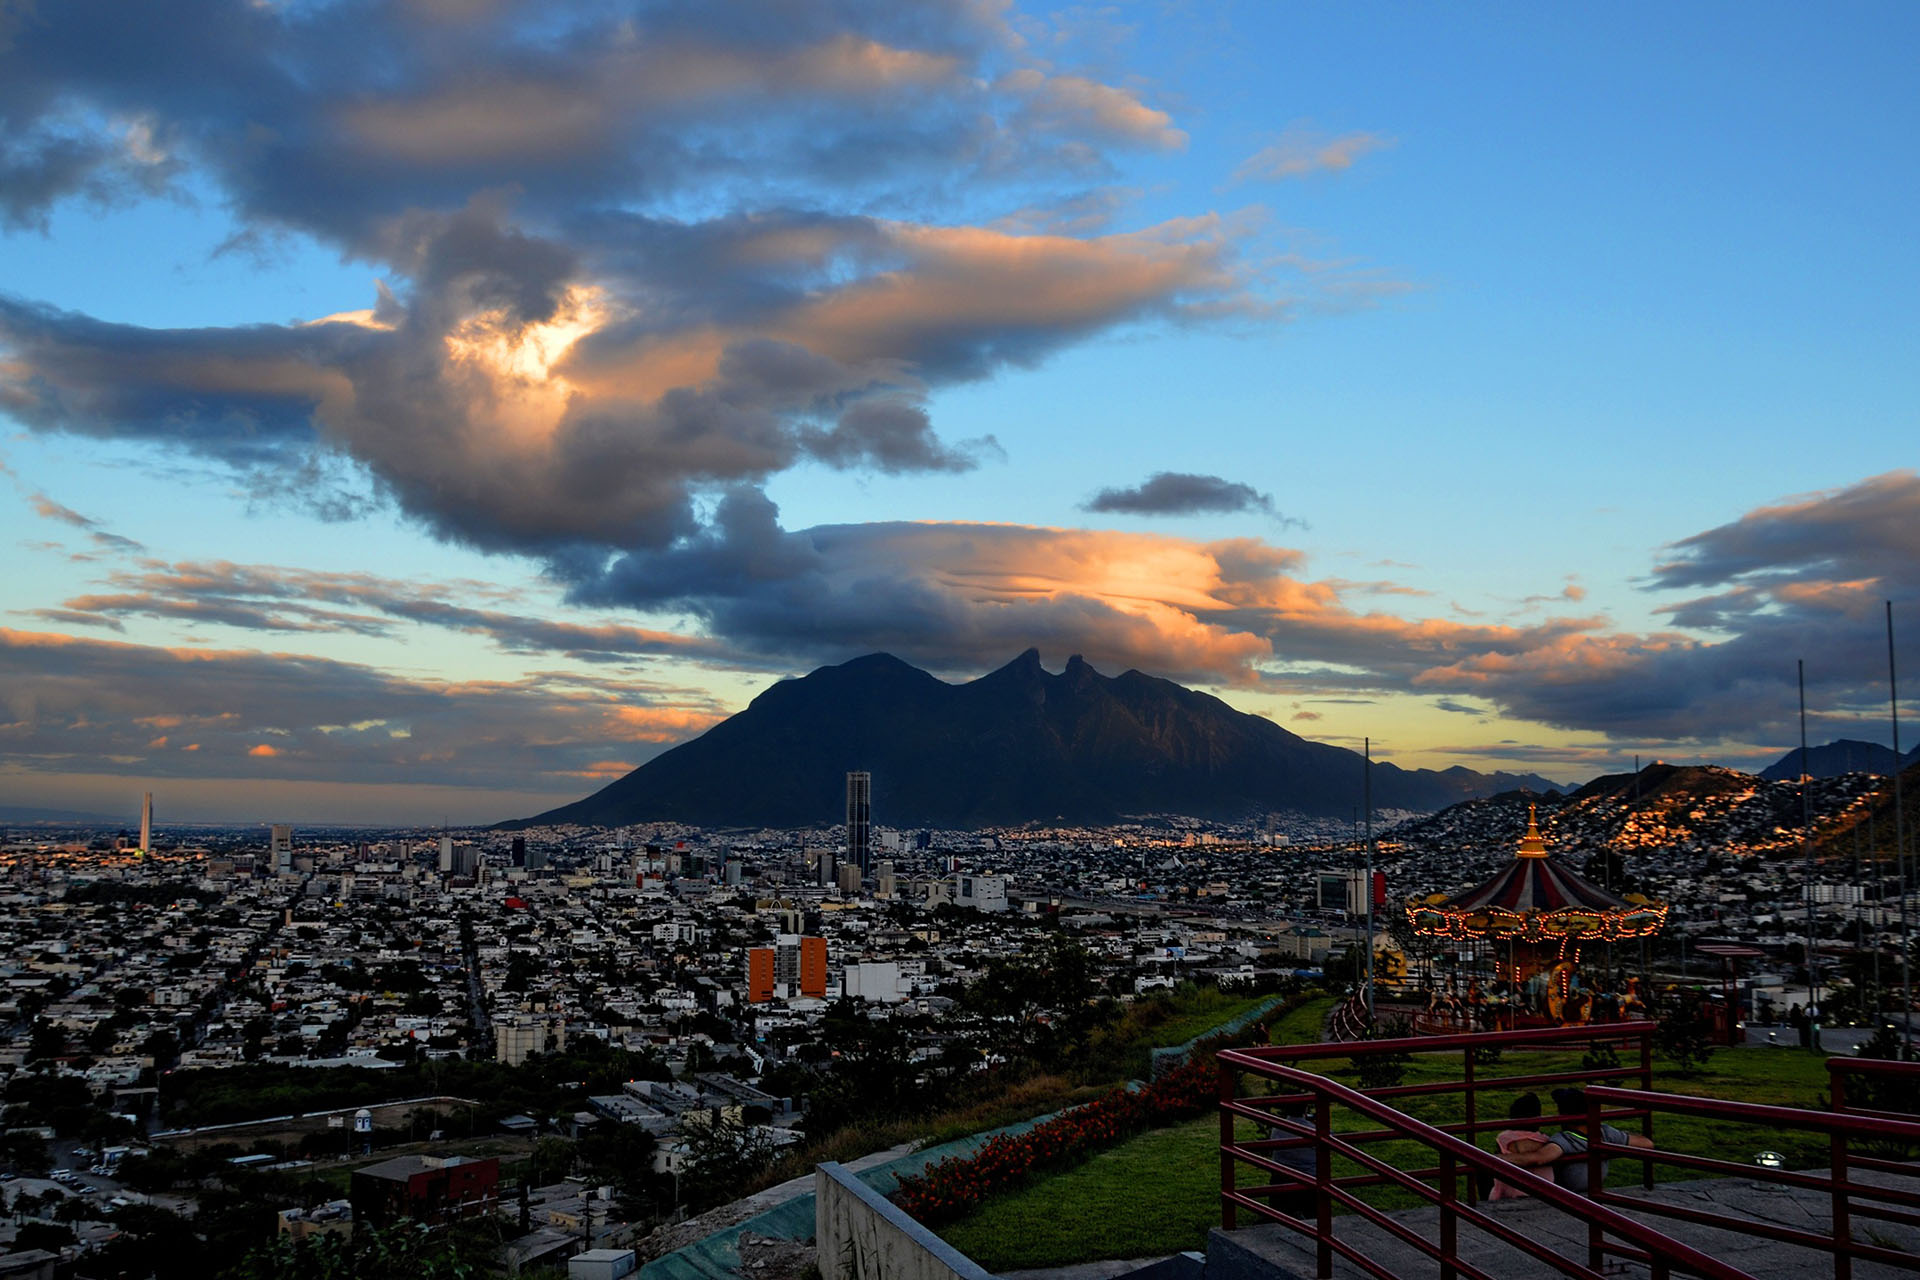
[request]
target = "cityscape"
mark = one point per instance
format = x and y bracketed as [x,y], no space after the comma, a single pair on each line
[958,640]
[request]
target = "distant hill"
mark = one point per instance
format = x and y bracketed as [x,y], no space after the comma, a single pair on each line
[1699,809]
[1016,745]
[1848,755]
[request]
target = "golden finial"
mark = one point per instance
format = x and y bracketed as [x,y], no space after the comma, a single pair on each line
[1531,844]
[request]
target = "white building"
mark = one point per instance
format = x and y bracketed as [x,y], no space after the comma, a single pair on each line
[982,893]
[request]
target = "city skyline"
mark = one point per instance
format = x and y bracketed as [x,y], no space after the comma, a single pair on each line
[445,433]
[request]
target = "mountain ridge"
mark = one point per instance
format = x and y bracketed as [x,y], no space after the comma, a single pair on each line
[1018,744]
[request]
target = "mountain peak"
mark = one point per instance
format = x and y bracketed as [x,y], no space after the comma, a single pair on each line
[1013,746]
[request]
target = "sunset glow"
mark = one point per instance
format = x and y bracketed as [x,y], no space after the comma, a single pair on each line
[451,398]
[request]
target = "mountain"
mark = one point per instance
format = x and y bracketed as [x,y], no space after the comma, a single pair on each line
[1674,809]
[1016,745]
[1848,755]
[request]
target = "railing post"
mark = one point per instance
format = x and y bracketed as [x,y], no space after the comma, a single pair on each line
[1228,1215]
[1596,1182]
[1646,1086]
[1449,1217]
[1473,1134]
[1842,1204]
[1323,1182]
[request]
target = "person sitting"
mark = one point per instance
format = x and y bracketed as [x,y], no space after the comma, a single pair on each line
[1564,1153]
[1298,1200]
[1525,1107]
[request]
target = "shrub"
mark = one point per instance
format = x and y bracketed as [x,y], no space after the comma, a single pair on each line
[954,1187]
[1384,1070]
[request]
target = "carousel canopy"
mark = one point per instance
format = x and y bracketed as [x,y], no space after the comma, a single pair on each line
[1536,897]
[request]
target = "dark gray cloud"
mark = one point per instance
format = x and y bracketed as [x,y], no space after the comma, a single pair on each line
[267,598]
[93,706]
[1808,579]
[1181,493]
[635,256]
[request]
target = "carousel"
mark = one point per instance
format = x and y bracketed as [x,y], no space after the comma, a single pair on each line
[1518,942]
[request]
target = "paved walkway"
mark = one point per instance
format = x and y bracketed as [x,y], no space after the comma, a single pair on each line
[1271,1252]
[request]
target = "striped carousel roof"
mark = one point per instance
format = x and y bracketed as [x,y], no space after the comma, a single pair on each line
[1539,899]
[1537,884]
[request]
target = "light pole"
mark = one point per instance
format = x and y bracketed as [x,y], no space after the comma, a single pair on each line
[1366,791]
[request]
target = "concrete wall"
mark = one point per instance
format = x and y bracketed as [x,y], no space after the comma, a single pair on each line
[861,1235]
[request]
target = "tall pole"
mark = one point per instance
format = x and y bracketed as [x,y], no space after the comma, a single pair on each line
[1900,842]
[1806,840]
[1366,799]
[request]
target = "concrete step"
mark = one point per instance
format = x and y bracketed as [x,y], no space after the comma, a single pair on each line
[1269,1251]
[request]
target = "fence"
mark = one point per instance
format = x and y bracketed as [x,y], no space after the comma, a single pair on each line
[1448,1156]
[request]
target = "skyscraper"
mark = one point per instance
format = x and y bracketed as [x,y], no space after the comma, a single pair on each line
[860,820]
[282,847]
[146,823]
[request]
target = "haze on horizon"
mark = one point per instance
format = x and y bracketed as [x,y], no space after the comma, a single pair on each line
[437,408]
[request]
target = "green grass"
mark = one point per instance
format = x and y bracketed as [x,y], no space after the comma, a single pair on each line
[1159,1193]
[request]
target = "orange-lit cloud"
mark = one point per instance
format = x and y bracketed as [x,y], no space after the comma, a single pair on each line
[262,751]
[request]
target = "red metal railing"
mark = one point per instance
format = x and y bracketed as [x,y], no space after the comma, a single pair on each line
[1849,1198]
[1609,1233]
[1349,1020]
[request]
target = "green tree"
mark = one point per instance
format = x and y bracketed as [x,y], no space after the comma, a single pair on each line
[1684,1035]
[723,1155]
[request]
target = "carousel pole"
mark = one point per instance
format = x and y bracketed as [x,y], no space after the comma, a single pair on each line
[1806,839]
[1900,844]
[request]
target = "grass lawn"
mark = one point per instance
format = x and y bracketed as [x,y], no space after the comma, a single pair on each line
[1160,1192]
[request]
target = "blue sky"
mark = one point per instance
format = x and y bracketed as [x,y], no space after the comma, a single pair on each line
[1550,368]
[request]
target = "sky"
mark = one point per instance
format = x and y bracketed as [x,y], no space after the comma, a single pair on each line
[433,409]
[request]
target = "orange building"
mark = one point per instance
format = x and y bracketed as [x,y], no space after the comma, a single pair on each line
[813,967]
[759,974]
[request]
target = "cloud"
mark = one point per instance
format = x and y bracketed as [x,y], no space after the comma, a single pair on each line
[47,509]
[273,599]
[1069,103]
[76,705]
[1179,493]
[1300,153]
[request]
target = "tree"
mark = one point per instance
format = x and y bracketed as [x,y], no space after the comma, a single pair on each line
[41,1235]
[26,1152]
[622,1156]
[1684,1034]
[722,1155]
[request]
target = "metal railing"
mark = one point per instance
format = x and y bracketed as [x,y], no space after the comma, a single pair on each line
[1278,1196]
[1848,1197]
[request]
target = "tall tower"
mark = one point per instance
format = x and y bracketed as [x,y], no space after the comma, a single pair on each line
[146,823]
[282,848]
[860,820]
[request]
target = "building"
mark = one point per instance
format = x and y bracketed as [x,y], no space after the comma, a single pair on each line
[849,878]
[519,851]
[1343,890]
[875,983]
[280,847]
[759,975]
[982,893]
[795,966]
[446,855]
[335,1218]
[517,1038]
[435,1190]
[860,820]
[146,823]
[601,1264]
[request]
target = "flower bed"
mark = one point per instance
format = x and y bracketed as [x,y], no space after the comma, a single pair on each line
[957,1185]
